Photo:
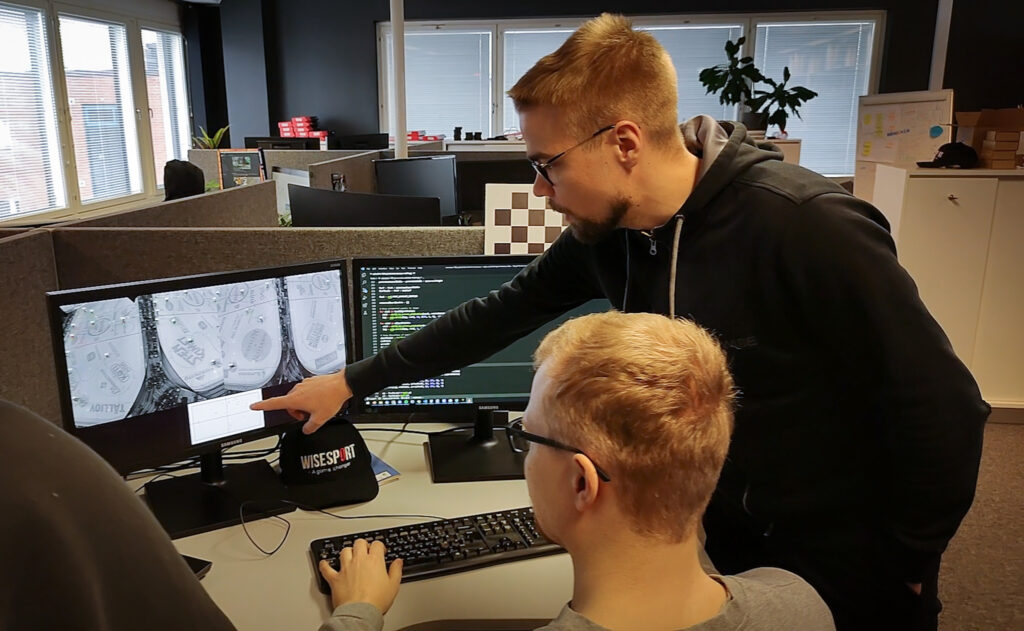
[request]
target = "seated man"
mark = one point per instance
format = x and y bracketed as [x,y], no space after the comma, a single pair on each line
[79,549]
[629,420]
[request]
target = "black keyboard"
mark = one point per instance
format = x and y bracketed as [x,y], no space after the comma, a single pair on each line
[447,546]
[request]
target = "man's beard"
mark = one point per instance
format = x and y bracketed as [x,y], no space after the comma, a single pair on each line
[590,232]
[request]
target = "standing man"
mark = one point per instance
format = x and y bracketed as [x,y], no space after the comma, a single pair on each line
[858,431]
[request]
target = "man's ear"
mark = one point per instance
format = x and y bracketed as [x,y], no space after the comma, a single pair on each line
[628,140]
[586,483]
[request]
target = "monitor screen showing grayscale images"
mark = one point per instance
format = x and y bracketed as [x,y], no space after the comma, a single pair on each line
[210,349]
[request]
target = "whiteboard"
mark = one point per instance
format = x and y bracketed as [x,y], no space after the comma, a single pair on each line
[899,129]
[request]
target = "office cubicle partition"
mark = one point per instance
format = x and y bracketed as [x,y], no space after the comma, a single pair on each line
[357,171]
[94,256]
[206,159]
[253,206]
[27,373]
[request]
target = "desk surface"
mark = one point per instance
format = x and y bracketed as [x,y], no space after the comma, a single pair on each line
[279,592]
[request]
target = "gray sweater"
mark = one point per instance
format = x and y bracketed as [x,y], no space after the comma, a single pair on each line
[764,599]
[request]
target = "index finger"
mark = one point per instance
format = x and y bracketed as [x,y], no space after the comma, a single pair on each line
[273,403]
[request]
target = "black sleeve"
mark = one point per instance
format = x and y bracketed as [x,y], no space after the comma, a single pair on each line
[554,283]
[864,310]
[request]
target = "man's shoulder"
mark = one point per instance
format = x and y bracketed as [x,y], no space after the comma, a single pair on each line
[786,181]
[773,598]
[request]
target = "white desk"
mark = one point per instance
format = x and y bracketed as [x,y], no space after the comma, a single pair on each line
[279,592]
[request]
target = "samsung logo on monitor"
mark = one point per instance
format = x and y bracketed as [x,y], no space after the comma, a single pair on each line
[231,443]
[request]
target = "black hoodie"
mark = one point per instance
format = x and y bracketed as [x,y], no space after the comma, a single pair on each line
[852,403]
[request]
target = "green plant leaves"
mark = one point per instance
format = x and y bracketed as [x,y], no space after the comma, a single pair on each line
[733,81]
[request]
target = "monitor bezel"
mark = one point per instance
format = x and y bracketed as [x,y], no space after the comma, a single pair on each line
[423,413]
[276,422]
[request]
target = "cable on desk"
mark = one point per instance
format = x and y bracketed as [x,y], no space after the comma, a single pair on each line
[288,524]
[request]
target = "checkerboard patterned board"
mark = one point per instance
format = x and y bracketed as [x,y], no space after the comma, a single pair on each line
[517,222]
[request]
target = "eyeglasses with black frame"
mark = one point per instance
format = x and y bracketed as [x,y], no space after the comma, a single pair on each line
[519,440]
[542,167]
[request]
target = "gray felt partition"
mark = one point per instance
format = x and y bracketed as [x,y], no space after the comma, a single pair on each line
[357,169]
[206,159]
[97,256]
[27,373]
[239,207]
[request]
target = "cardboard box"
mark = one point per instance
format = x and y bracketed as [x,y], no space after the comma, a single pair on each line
[973,127]
[997,145]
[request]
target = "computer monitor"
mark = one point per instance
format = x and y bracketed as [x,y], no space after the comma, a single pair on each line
[474,175]
[317,207]
[397,296]
[361,141]
[276,142]
[427,176]
[156,372]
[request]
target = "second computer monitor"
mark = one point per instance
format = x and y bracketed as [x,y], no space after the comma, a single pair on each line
[428,176]
[397,296]
[315,207]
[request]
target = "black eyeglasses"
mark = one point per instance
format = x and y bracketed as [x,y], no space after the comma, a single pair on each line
[519,440]
[542,167]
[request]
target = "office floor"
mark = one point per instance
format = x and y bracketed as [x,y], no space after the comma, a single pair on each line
[982,579]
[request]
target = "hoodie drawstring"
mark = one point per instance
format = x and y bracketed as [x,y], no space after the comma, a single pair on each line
[672,269]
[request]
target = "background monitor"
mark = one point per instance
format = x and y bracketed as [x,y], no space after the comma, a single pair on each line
[398,296]
[473,176]
[317,207]
[155,372]
[428,176]
[276,142]
[361,141]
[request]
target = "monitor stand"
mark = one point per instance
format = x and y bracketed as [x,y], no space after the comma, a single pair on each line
[191,504]
[482,453]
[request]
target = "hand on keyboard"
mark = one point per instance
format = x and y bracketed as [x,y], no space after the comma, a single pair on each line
[446,546]
[363,577]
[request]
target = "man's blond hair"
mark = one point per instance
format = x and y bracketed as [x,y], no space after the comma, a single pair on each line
[650,400]
[606,72]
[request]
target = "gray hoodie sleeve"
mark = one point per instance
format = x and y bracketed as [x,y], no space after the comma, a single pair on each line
[354,617]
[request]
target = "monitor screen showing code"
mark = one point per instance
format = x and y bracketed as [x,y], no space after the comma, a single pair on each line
[395,300]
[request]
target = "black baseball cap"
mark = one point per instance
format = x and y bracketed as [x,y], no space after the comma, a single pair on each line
[330,467]
[955,155]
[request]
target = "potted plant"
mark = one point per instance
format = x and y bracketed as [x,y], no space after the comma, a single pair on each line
[735,80]
[206,142]
[780,101]
[732,81]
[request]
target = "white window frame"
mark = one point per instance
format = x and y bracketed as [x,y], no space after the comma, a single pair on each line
[137,78]
[747,21]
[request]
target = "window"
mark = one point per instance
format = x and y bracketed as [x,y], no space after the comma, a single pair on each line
[693,48]
[31,177]
[168,98]
[834,60]
[833,57]
[75,85]
[447,80]
[523,48]
[102,108]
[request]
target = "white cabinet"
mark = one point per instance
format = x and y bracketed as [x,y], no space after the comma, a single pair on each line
[959,235]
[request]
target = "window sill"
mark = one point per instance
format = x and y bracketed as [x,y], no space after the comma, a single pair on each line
[51,218]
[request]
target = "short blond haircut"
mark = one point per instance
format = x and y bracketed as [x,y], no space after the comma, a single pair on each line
[650,400]
[606,72]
